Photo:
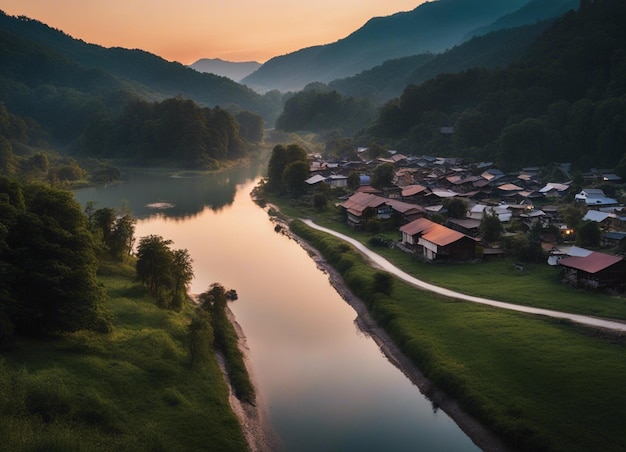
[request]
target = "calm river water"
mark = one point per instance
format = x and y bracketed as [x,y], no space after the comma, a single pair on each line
[324,384]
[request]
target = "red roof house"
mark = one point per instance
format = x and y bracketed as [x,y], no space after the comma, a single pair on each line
[436,242]
[595,271]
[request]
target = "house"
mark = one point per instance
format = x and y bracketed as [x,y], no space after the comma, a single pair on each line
[467,226]
[595,271]
[556,255]
[437,196]
[382,208]
[554,190]
[357,204]
[502,211]
[594,197]
[413,193]
[602,218]
[337,180]
[613,238]
[314,180]
[434,242]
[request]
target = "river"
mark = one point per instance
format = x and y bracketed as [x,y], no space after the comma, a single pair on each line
[324,385]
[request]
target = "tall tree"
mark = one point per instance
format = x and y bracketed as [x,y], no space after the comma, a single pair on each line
[50,264]
[281,157]
[383,175]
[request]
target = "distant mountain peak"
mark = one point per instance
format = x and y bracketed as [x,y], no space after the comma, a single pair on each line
[431,27]
[233,70]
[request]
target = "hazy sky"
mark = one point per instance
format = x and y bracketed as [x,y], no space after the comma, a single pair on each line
[187,30]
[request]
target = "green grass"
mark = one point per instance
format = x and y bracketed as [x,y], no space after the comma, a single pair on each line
[538,285]
[130,390]
[539,384]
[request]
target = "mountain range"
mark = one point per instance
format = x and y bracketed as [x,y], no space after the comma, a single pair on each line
[431,27]
[232,70]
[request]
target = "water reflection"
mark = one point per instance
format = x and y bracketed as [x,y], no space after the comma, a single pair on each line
[173,194]
[324,385]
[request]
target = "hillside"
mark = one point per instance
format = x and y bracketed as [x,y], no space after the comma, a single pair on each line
[562,101]
[232,70]
[150,75]
[431,27]
[388,80]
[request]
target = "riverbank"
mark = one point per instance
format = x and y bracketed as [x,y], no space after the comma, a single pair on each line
[256,428]
[479,434]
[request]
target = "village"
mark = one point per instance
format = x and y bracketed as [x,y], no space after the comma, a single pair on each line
[441,208]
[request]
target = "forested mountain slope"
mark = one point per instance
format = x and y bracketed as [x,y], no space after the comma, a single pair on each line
[431,27]
[151,75]
[563,101]
[388,80]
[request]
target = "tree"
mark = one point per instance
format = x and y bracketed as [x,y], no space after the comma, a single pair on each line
[122,237]
[354,180]
[154,262]
[383,175]
[294,175]
[572,214]
[588,234]
[457,208]
[49,265]
[320,201]
[490,227]
[165,272]
[213,298]
[182,274]
[281,157]
[251,126]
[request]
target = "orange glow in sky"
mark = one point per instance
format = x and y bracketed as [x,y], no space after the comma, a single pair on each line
[187,30]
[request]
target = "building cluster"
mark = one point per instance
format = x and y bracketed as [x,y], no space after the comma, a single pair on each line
[423,185]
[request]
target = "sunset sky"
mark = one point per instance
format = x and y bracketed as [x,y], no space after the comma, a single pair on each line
[187,30]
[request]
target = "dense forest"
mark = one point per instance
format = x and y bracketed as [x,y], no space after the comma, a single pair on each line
[388,80]
[48,261]
[320,111]
[564,101]
[174,130]
[59,94]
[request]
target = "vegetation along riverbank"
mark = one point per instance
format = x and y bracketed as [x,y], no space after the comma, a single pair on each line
[132,389]
[529,380]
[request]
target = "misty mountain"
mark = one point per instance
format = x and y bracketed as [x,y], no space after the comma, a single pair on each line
[563,100]
[431,27]
[150,74]
[388,80]
[534,11]
[232,70]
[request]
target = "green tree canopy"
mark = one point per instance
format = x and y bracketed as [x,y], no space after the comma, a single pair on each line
[456,207]
[165,272]
[281,157]
[48,262]
[383,175]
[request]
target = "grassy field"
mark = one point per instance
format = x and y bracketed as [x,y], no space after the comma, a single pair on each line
[538,285]
[130,390]
[539,384]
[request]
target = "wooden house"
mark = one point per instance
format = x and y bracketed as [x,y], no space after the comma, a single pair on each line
[595,271]
[434,242]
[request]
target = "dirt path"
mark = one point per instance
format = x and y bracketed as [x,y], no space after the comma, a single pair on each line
[384,264]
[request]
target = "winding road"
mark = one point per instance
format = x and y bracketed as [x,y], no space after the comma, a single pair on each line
[384,264]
